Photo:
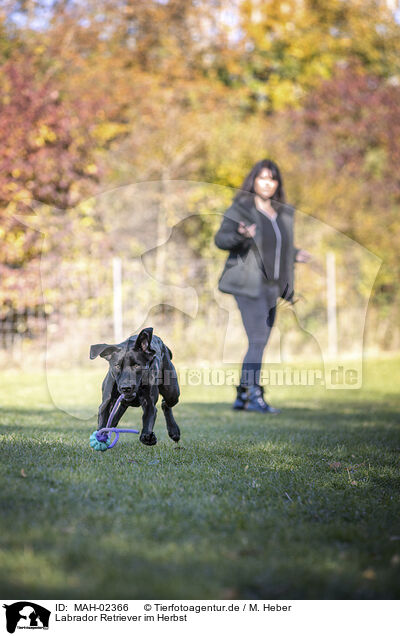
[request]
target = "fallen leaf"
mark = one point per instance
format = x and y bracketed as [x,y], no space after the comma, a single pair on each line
[335,465]
[246,468]
[355,466]
[230,593]
[23,473]
[353,483]
[395,560]
[369,574]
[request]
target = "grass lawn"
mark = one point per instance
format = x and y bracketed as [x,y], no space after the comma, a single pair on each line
[300,505]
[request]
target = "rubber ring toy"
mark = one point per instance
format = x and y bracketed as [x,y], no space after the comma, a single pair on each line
[101,440]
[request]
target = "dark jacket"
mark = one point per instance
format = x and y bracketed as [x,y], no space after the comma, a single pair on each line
[242,274]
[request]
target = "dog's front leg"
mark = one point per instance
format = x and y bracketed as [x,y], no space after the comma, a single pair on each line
[172,426]
[119,413]
[104,415]
[109,394]
[149,417]
[104,412]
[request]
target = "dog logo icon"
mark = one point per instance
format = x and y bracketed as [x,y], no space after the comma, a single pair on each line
[194,377]
[26,615]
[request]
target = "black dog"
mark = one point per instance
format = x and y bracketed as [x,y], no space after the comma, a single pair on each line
[140,369]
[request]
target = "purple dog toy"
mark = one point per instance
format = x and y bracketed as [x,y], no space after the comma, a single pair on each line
[101,440]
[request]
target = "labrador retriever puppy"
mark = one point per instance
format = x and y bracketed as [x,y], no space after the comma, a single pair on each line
[140,368]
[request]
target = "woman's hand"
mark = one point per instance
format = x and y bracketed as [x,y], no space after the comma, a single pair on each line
[249,231]
[303,256]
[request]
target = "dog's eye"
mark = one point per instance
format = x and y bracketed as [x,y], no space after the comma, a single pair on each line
[117,367]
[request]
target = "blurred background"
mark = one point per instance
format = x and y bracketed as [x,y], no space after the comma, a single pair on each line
[126,128]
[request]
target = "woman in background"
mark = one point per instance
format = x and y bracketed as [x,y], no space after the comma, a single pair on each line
[258,232]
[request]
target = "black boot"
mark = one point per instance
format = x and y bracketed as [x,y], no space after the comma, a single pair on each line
[241,398]
[256,401]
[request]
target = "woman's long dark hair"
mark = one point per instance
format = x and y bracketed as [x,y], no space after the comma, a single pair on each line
[246,191]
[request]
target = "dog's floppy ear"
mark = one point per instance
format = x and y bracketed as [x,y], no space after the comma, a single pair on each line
[143,340]
[103,350]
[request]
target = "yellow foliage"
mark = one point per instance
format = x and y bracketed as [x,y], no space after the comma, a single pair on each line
[45,134]
[91,168]
[109,130]
[86,207]
[22,195]
[87,222]
[281,92]
[301,43]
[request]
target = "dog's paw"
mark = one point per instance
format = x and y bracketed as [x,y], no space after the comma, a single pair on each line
[148,438]
[175,434]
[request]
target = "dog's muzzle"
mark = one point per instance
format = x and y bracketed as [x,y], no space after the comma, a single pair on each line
[129,396]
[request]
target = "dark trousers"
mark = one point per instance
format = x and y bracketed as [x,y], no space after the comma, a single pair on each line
[258,315]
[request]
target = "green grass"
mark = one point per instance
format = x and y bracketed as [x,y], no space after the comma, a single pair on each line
[302,505]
